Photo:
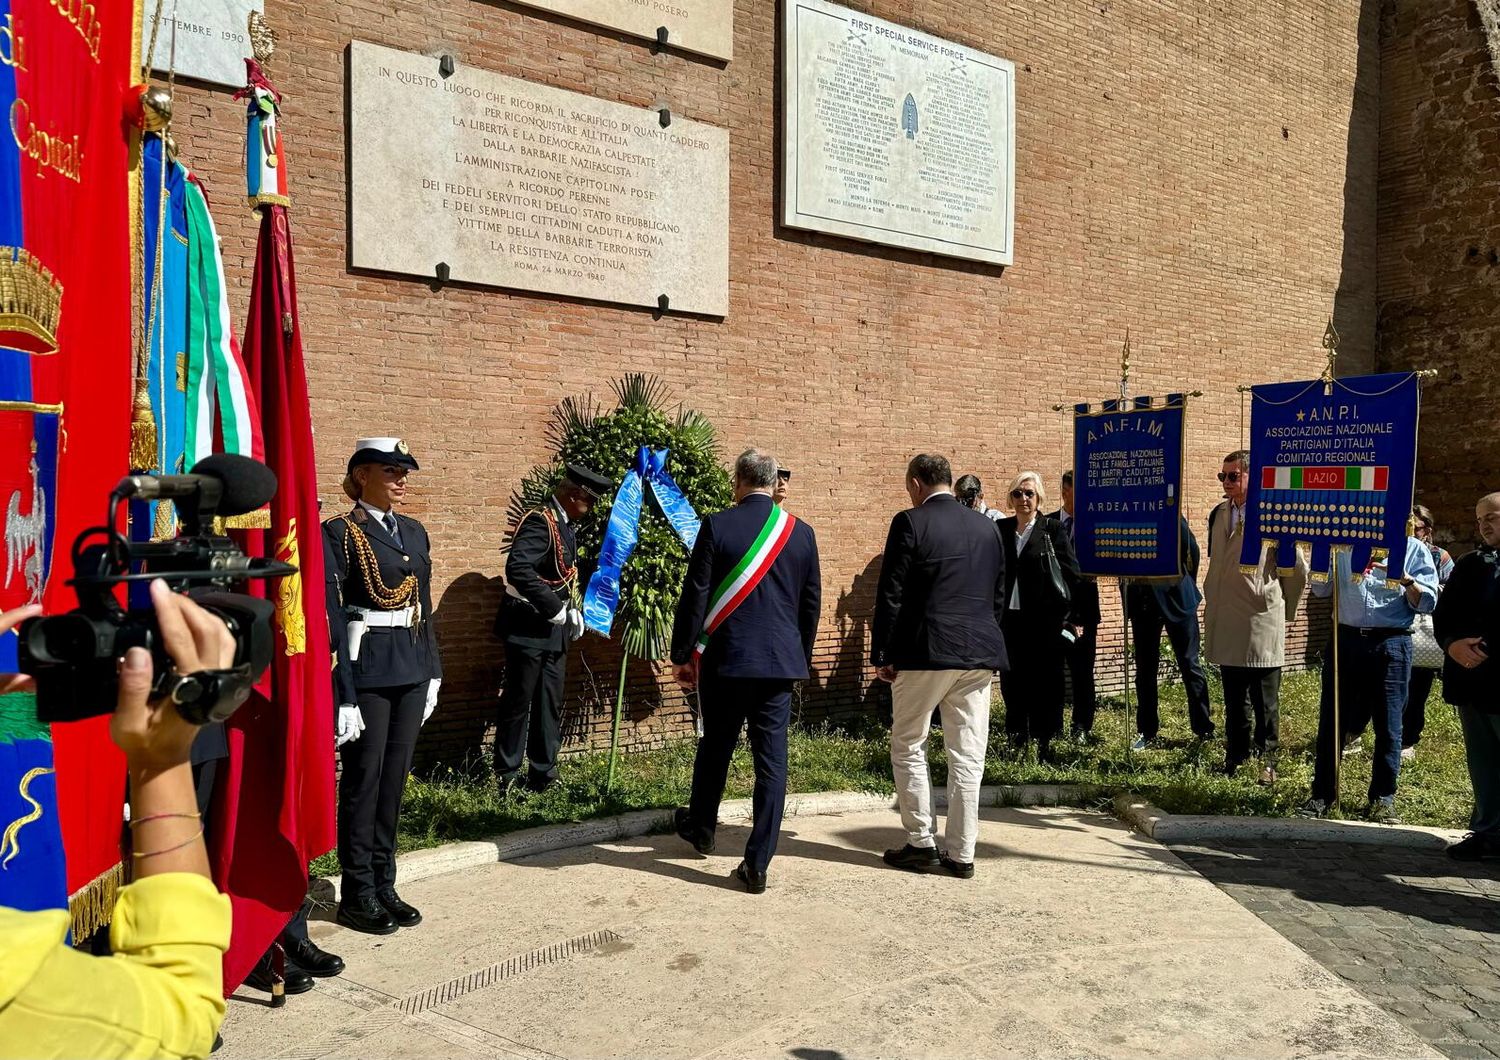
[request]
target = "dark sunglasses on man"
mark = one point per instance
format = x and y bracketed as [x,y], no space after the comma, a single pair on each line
[1233,476]
[1016,495]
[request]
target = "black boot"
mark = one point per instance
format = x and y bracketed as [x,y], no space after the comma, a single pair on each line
[296,981]
[305,954]
[364,913]
[403,914]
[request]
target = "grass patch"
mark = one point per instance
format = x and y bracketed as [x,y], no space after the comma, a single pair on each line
[461,803]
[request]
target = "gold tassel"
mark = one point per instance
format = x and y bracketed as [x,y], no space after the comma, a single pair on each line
[165,528]
[94,903]
[142,429]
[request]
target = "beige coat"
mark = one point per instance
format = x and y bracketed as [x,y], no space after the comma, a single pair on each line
[1245,615]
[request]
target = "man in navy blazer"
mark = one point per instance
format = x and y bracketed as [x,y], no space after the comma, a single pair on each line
[744,632]
[1171,606]
[936,637]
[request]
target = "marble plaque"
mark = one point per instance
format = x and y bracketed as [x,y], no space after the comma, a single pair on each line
[212,43]
[702,26]
[514,184]
[894,136]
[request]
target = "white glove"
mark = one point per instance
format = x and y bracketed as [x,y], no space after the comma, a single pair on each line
[350,724]
[574,628]
[432,691]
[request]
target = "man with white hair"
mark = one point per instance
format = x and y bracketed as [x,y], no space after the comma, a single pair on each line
[744,633]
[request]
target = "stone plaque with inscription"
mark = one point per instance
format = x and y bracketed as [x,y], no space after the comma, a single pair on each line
[212,44]
[702,26]
[514,184]
[894,136]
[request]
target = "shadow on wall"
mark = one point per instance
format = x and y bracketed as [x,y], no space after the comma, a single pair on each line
[1354,311]
[849,686]
[472,675]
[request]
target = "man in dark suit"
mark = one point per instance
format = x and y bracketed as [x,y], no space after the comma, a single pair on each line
[936,638]
[1081,654]
[538,621]
[744,632]
[1173,606]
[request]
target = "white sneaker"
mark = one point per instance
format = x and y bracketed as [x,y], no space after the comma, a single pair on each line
[1408,754]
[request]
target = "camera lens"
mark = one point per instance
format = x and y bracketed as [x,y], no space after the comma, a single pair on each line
[61,639]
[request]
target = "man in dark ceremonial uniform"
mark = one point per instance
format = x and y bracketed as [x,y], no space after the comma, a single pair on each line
[538,620]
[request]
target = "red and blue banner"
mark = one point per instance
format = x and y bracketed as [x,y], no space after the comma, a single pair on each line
[65,387]
[1127,487]
[1332,467]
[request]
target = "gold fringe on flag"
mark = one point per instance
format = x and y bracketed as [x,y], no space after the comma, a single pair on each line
[260,520]
[94,903]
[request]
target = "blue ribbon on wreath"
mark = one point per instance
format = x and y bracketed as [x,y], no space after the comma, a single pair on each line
[623,531]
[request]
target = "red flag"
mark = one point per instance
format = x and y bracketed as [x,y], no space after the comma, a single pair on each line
[275,802]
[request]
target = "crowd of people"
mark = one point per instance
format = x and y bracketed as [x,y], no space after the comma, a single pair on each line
[967,594]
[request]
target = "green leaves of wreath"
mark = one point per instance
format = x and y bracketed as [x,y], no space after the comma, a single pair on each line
[581,433]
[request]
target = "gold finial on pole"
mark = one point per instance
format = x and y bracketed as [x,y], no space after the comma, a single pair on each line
[262,38]
[1331,344]
[1125,366]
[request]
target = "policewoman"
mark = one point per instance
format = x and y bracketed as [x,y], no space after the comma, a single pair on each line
[382,563]
[538,620]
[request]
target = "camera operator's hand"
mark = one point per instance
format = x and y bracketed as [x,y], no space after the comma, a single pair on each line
[8,621]
[153,735]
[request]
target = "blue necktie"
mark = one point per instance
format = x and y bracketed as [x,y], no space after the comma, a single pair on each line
[390,524]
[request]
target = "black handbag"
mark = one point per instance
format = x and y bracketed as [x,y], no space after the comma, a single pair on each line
[1059,585]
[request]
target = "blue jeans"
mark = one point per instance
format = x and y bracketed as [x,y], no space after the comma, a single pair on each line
[1374,672]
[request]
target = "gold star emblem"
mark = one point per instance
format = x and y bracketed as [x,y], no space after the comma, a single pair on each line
[1301,415]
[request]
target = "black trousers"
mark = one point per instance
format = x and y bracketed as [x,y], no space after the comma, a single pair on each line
[530,714]
[1080,656]
[296,927]
[1146,627]
[729,704]
[1414,717]
[375,769]
[1251,690]
[1033,686]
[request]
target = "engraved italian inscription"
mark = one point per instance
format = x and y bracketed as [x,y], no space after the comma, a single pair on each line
[514,184]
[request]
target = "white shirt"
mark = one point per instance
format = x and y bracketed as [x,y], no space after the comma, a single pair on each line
[1022,536]
[1236,517]
[385,517]
[939,493]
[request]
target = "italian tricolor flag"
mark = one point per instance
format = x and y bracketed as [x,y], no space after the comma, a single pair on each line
[747,573]
[1368,479]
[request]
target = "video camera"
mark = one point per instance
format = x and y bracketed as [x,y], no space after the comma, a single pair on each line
[73,657]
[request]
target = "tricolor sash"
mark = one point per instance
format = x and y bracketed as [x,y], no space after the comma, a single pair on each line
[737,586]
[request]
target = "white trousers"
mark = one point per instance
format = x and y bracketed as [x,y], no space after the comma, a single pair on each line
[963,697]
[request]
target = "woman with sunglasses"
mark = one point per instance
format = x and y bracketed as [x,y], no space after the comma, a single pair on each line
[1041,585]
[1414,717]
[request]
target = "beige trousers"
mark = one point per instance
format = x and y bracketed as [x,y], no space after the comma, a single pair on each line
[963,697]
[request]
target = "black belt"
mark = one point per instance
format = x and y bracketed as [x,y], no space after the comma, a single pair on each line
[1375,632]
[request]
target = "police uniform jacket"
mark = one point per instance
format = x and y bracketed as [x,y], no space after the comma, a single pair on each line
[537,566]
[388,657]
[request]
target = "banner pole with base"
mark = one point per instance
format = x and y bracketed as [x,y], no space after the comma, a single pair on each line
[614,739]
[1331,344]
[1125,657]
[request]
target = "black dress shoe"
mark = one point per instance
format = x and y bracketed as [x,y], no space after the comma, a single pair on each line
[365,914]
[296,981]
[305,954]
[755,882]
[916,859]
[701,838]
[964,870]
[403,914]
[538,784]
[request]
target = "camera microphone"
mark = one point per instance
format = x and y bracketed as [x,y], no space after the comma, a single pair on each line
[226,484]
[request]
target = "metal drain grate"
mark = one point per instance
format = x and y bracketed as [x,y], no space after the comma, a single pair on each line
[457,988]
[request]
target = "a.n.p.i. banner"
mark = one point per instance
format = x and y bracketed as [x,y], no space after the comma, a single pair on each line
[1127,485]
[1332,466]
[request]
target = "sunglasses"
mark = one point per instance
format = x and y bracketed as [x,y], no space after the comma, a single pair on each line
[1016,495]
[1233,476]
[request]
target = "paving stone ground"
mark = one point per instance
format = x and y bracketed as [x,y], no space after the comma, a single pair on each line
[1414,931]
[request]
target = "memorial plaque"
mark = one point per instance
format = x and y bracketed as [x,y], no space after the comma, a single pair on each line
[212,44]
[514,184]
[702,26]
[893,136]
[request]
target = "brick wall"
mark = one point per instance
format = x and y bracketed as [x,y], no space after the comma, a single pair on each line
[1439,233]
[1202,174]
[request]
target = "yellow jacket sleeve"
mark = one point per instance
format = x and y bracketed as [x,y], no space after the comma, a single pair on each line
[161,994]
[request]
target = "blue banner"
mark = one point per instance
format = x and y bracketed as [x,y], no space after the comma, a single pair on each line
[1127,487]
[623,532]
[1332,466]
